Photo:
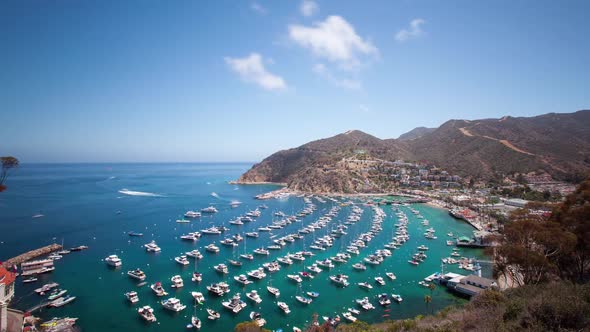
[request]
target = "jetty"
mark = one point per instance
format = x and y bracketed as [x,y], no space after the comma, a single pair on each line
[31,255]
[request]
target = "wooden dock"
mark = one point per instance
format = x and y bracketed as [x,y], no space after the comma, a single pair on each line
[31,255]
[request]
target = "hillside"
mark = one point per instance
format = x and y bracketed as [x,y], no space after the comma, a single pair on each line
[415,133]
[558,144]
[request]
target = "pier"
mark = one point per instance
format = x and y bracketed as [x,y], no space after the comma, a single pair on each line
[31,255]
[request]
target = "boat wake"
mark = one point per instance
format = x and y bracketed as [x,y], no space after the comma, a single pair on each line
[137,193]
[214,194]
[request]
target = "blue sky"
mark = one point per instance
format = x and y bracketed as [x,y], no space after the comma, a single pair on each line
[108,81]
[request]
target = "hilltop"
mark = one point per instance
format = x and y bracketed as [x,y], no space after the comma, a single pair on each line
[354,161]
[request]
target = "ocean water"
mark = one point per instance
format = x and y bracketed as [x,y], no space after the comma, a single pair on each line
[82,205]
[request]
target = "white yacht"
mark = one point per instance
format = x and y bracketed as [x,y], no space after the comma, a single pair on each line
[212,248]
[242,279]
[365,304]
[295,278]
[182,260]
[303,299]
[213,315]
[235,304]
[365,285]
[177,281]
[173,304]
[192,214]
[132,297]
[257,274]
[113,260]
[284,307]
[254,296]
[158,289]
[147,313]
[221,268]
[211,231]
[273,290]
[194,254]
[210,209]
[137,274]
[152,247]
[199,297]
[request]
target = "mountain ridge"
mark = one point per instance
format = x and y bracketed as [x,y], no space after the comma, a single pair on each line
[555,143]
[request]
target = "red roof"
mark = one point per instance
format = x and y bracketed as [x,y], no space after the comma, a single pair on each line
[6,277]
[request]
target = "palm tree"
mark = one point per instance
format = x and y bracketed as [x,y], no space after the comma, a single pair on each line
[427,300]
[432,287]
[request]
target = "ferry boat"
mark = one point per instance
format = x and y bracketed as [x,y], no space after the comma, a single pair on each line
[192,214]
[177,282]
[242,279]
[235,304]
[113,260]
[283,306]
[212,248]
[213,315]
[147,313]
[210,209]
[182,260]
[132,297]
[173,304]
[194,254]
[254,296]
[158,289]
[152,247]
[199,297]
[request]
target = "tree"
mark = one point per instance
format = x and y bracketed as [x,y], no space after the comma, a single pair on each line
[7,164]
[249,327]
[574,216]
[427,300]
[530,246]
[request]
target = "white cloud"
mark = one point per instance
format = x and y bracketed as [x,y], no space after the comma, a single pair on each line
[413,31]
[255,6]
[351,84]
[251,69]
[308,8]
[334,39]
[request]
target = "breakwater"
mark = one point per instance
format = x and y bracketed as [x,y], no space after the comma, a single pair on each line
[31,255]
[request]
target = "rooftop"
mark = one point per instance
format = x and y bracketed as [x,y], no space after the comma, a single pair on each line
[6,277]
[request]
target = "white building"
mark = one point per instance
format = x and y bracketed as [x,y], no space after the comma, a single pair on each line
[6,294]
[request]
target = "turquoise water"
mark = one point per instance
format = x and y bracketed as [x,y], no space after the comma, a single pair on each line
[80,204]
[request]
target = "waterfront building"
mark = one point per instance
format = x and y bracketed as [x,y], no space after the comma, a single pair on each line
[7,279]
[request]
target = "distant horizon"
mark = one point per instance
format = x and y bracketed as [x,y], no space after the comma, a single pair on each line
[133,81]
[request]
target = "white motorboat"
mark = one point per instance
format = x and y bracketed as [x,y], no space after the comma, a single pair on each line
[192,214]
[213,315]
[173,304]
[152,247]
[194,254]
[365,303]
[242,279]
[304,300]
[257,318]
[219,289]
[132,297]
[274,291]
[314,268]
[390,275]
[383,299]
[137,274]
[182,260]
[113,260]
[349,316]
[199,297]
[284,307]
[257,274]
[254,296]
[147,313]
[397,298]
[340,279]
[235,304]
[294,277]
[209,209]
[212,248]
[365,285]
[359,266]
[158,289]
[177,281]
[221,268]
[380,281]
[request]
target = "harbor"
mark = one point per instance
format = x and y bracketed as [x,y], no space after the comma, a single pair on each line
[30,255]
[287,230]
